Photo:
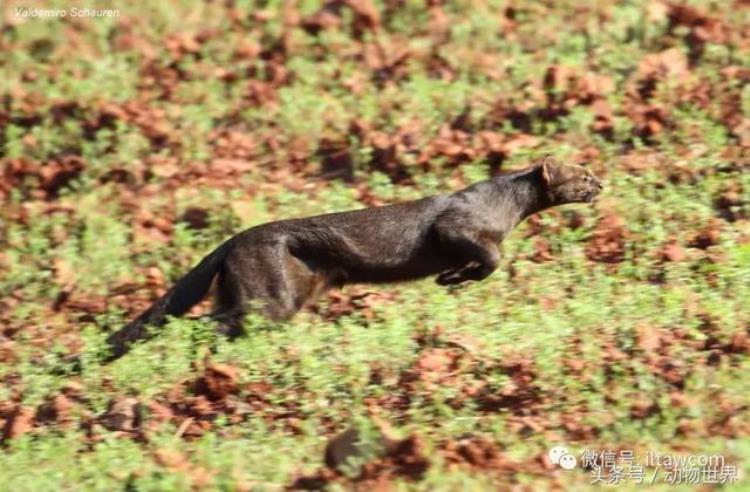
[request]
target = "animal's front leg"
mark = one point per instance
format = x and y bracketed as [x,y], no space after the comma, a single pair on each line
[471,271]
[479,259]
[452,277]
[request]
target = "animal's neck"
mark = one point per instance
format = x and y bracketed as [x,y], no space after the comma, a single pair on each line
[528,193]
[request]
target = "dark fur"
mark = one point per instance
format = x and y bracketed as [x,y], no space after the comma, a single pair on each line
[287,264]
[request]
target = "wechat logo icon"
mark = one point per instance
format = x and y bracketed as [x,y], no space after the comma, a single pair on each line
[560,456]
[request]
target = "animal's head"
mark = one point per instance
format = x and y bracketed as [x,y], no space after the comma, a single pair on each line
[567,183]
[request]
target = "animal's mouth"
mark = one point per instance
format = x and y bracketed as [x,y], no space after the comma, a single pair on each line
[592,192]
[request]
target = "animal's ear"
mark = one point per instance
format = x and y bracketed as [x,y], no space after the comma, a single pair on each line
[549,170]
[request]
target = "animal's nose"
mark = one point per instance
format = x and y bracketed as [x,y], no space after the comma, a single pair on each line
[599,185]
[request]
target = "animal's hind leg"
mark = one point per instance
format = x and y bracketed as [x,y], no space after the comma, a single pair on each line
[229,322]
[267,276]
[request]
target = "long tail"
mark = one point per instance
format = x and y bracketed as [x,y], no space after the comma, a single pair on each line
[186,293]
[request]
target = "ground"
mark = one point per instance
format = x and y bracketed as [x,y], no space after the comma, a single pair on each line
[132,145]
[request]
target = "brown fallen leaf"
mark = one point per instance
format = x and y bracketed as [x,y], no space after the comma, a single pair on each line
[706,237]
[607,243]
[20,421]
[435,360]
[122,414]
[541,251]
[55,410]
[477,453]
[739,343]
[642,409]
[158,413]
[217,382]
[671,252]
[646,337]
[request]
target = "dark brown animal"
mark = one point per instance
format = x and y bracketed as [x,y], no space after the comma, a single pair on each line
[282,266]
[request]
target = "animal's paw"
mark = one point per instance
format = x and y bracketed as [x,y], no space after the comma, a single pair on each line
[451,277]
[471,271]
